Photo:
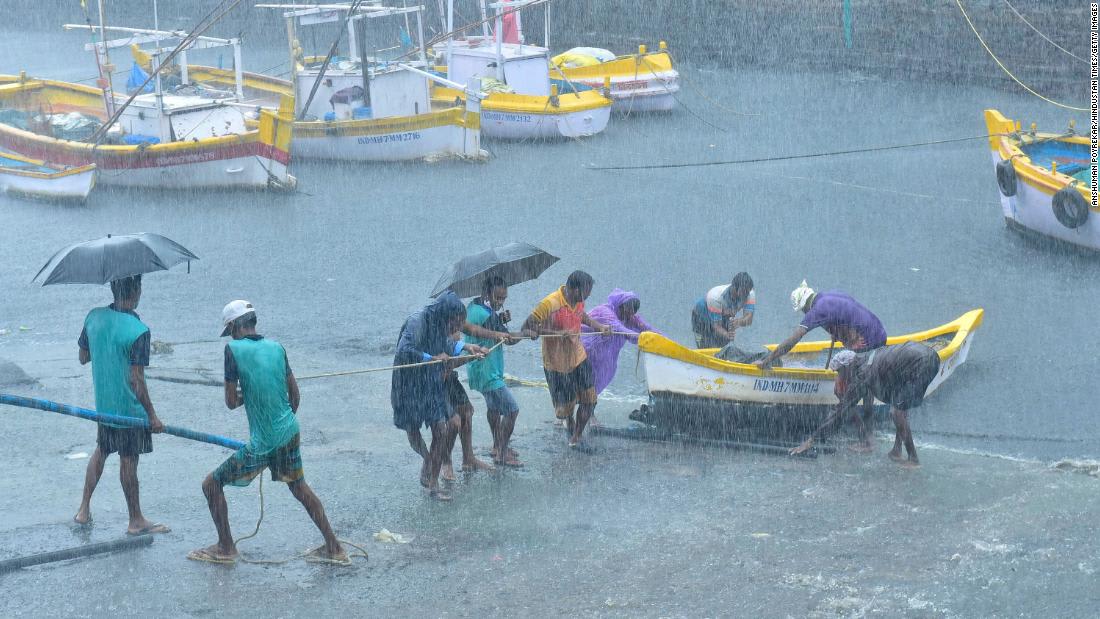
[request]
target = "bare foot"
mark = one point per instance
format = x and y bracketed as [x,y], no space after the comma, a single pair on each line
[509,462]
[83,517]
[440,494]
[447,473]
[895,455]
[328,556]
[476,465]
[214,554]
[509,453]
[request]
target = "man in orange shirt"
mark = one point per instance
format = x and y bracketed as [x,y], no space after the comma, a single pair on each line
[558,319]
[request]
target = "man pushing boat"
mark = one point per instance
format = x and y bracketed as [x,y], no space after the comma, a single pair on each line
[899,376]
[846,320]
[270,396]
[714,318]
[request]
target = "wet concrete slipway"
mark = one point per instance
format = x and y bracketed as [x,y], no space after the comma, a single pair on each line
[989,526]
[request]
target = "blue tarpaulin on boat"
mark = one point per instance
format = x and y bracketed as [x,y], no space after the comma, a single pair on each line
[137,78]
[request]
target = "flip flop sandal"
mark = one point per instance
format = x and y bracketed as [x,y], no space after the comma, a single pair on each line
[440,495]
[317,556]
[149,530]
[205,556]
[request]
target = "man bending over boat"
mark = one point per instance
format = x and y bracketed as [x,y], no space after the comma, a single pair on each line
[558,319]
[117,344]
[845,320]
[898,376]
[270,396]
[714,317]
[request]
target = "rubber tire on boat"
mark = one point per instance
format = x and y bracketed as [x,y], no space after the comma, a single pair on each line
[1006,178]
[1070,207]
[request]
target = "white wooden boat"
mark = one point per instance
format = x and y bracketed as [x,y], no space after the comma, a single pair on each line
[694,390]
[519,101]
[1045,182]
[37,179]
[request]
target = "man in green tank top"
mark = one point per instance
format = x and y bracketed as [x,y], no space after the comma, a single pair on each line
[116,343]
[270,397]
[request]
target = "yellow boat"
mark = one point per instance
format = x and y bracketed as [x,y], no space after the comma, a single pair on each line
[641,82]
[1045,181]
[694,391]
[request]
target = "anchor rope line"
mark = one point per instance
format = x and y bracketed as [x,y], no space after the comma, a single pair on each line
[1006,70]
[872,149]
[1038,32]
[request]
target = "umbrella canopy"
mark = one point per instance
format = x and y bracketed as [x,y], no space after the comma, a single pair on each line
[515,263]
[113,257]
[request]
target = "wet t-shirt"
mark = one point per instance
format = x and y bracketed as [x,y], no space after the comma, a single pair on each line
[837,312]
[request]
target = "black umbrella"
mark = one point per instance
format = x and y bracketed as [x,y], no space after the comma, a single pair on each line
[515,263]
[114,257]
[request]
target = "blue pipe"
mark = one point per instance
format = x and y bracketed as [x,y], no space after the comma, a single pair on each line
[848,24]
[84,413]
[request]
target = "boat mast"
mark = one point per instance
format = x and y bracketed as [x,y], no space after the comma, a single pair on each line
[450,27]
[484,20]
[108,91]
[156,61]
[290,34]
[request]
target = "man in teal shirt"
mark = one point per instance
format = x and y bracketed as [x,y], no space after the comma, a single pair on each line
[270,396]
[116,343]
[487,375]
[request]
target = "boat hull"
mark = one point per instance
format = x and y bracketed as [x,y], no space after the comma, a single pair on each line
[72,184]
[694,391]
[644,82]
[1030,209]
[506,125]
[256,159]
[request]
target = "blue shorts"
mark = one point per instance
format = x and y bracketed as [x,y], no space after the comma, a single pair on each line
[501,402]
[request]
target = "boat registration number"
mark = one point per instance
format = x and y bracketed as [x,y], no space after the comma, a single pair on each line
[511,118]
[408,136]
[785,386]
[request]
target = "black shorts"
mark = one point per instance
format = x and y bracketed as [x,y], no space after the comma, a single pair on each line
[124,441]
[905,391]
[568,388]
[456,393]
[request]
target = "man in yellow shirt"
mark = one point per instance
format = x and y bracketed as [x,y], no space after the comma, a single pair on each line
[558,319]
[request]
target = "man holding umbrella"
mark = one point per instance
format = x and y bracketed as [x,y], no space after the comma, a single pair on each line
[117,343]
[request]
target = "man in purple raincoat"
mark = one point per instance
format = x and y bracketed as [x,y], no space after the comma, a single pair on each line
[621,314]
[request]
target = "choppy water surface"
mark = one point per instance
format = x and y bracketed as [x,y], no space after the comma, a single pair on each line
[987,526]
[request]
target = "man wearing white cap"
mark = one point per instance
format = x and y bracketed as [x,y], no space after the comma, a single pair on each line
[270,396]
[899,376]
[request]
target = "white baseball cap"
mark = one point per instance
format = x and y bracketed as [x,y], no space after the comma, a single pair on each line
[234,310]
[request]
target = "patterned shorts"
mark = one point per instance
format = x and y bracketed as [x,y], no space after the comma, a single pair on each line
[242,467]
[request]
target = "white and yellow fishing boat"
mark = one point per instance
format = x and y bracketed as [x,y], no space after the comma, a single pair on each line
[520,102]
[38,179]
[641,82]
[157,144]
[692,390]
[1045,181]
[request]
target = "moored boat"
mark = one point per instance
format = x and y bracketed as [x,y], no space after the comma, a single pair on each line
[520,102]
[1044,181]
[641,82]
[38,179]
[692,390]
[157,138]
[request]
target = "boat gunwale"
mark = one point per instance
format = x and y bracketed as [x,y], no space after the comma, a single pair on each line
[1007,145]
[655,344]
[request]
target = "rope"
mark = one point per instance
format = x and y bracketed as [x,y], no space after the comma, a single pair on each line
[397,367]
[873,149]
[1005,69]
[362,551]
[1045,37]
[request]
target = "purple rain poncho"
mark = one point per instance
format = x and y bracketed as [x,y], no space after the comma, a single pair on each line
[603,351]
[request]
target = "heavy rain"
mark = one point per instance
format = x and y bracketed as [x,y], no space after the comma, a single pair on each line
[350,179]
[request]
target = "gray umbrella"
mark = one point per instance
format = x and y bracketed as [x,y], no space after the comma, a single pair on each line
[515,263]
[113,257]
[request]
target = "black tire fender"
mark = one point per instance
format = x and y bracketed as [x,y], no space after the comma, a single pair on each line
[1006,178]
[1070,207]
